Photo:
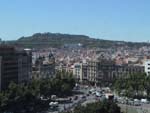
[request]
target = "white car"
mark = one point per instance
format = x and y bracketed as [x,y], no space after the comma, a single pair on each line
[53,104]
[98,94]
[145,101]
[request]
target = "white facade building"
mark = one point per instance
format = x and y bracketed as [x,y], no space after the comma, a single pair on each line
[77,71]
[80,71]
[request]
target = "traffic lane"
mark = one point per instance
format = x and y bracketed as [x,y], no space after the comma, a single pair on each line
[144,108]
[69,106]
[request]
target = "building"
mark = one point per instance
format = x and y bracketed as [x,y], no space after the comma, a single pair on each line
[84,72]
[0,41]
[80,71]
[44,67]
[0,72]
[123,70]
[105,70]
[15,65]
[92,70]
[147,67]
[24,64]
[100,69]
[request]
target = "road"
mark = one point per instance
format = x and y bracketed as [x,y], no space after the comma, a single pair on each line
[80,100]
[144,108]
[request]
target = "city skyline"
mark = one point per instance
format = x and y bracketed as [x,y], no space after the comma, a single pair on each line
[111,20]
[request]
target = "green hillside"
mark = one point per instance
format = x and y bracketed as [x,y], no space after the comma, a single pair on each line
[42,40]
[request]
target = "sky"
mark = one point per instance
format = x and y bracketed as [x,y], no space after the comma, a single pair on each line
[124,20]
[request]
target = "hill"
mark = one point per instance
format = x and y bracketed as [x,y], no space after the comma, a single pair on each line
[41,40]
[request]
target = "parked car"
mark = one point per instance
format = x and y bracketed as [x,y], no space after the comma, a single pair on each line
[83,97]
[76,98]
[87,95]
[98,94]
[53,97]
[145,101]
[53,104]
[137,104]
[130,102]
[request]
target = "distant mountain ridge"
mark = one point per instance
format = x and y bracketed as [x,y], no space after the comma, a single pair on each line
[52,36]
[41,40]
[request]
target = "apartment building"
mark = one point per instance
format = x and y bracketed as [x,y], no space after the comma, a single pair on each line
[147,67]
[15,65]
[104,70]
[44,67]
[80,71]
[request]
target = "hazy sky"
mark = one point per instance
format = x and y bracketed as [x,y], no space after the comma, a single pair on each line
[107,19]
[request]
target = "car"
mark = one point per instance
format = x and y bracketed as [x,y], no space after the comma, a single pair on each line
[87,95]
[53,97]
[86,87]
[145,101]
[93,93]
[83,96]
[92,90]
[137,103]
[98,94]
[130,102]
[76,98]
[53,104]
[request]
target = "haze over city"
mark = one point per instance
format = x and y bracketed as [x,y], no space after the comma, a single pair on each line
[126,20]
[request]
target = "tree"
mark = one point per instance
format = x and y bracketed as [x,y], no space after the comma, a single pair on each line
[134,85]
[3,101]
[98,107]
[26,97]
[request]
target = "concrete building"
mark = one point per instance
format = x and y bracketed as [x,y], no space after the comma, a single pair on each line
[106,70]
[0,41]
[25,65]
[15,65]
[84,72]
[44,67]
[80,71]
[147,67]
[92,70]
[100,69]
[0,72]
